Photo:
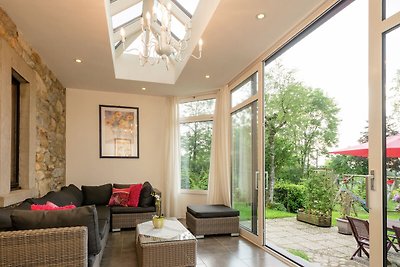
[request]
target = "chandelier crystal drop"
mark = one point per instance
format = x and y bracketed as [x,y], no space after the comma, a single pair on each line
[158,43]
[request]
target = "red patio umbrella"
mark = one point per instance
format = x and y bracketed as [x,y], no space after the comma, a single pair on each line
[392,148]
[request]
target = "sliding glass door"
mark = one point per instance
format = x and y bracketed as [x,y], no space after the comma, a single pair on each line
[244,165]
[245,154]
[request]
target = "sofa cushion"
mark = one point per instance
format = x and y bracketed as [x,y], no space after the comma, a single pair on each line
[75,192]
[146,199]
[117,209]
[134,195]
[103,228]
[42,200]
[51,206]
[66,196]
[96,195]
[5,215]
[103,212]
[82,216]
[5,219]
[119,197]
[120,186]
[212,211]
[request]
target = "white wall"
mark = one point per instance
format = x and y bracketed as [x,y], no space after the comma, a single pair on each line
[84,165]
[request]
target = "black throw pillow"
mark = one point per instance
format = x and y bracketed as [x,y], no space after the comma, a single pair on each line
[40,219]
[96,195]
[75,193]
[121,186]
[146,199]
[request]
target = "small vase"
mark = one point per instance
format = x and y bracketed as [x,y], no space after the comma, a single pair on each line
[158,222]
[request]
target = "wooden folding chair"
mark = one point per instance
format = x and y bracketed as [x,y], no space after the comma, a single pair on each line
[397,236]
[360,229]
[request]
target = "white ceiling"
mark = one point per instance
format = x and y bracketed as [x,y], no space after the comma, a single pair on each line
[62,30]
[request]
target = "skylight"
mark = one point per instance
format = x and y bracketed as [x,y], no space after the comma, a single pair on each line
[189,5]
[127,15]
[177,28]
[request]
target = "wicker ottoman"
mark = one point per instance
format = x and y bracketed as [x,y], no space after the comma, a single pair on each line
[211,220]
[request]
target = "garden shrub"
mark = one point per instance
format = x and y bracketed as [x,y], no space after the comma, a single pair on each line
[276,206]
[320,192]
[290,195]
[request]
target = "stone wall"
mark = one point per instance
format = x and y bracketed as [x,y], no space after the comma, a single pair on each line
[50,112]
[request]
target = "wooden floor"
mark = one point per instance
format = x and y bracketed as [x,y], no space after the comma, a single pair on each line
[218,251]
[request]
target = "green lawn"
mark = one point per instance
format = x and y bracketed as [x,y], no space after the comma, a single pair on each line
[300,253]
[245,213]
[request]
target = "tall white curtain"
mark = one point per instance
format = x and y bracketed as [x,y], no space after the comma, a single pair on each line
[172,156]
[219,182]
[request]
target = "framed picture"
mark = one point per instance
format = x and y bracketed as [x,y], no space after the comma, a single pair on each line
[119,132]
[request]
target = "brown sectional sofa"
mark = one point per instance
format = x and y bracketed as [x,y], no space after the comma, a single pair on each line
[74,237]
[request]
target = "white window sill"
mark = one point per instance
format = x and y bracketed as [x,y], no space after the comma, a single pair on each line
[16,196]
[193,192]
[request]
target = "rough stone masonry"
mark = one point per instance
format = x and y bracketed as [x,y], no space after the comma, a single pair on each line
[50,112]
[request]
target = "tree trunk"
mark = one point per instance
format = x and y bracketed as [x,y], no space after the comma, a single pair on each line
[271,176]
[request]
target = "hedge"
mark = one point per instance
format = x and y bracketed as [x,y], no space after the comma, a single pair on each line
[290,195]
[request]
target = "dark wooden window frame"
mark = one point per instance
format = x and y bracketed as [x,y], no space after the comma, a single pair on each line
[15,134]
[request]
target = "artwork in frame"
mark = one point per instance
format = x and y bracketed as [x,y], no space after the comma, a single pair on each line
[119,132]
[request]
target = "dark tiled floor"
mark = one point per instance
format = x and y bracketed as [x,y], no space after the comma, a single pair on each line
[218,251]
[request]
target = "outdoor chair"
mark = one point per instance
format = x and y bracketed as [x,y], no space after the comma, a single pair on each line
[397,236]
[360,229]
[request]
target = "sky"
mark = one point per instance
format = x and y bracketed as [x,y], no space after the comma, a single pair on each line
[334,58]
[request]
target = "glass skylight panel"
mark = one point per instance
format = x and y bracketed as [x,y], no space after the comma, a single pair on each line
[127,15]
[177,28]
[189,5]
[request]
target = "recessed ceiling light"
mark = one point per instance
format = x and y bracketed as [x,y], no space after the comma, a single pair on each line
[260,16]
[78,60]
[207,76]
[144,88]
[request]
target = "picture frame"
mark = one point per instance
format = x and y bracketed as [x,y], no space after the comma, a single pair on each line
[118,131]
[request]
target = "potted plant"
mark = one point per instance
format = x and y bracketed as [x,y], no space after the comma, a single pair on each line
[158,219]
[319,197]
[346,201]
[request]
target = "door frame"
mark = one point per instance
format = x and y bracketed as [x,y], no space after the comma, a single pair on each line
[258,238]
[378,27]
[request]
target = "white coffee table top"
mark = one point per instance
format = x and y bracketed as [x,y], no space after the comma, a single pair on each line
[172,230]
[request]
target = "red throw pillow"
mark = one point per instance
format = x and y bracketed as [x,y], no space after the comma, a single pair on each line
[134,195]
[51,206]
[119,197]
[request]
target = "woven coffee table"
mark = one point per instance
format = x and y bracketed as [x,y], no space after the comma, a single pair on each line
[173,245]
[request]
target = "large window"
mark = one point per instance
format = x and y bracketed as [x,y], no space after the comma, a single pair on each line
[196,122]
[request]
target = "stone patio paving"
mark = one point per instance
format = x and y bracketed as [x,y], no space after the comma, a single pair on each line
[324,246]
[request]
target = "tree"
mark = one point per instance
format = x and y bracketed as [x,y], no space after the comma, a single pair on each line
[195,144]
[300,122]
[344,164]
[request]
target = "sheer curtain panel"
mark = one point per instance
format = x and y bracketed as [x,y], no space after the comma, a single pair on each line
[219,183]
[172,156]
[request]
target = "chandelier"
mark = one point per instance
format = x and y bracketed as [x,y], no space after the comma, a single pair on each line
[158,43]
